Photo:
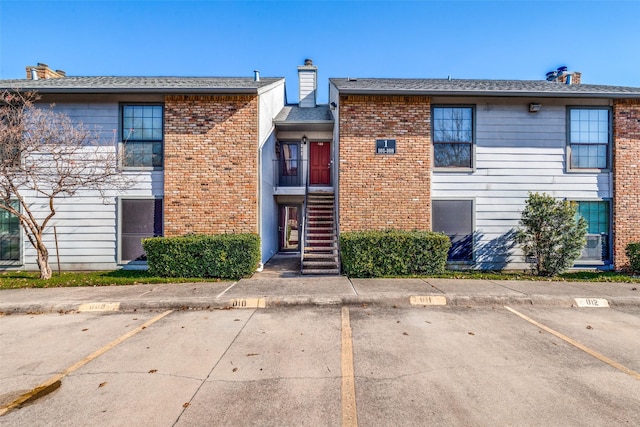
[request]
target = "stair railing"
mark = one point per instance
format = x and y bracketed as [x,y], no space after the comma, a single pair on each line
[305,216]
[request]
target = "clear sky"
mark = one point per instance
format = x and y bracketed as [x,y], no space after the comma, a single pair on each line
[424,39]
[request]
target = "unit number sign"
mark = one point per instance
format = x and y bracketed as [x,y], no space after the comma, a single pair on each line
[385,146]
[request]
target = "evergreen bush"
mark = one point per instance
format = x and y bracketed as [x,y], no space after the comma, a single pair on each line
[552,234]
[633,253]
[225,256]
[393,253]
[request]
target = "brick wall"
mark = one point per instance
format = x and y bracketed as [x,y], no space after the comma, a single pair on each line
[626,177]
[380,192]
[210,165]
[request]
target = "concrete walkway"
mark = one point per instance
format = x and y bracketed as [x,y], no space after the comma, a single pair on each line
[280,285]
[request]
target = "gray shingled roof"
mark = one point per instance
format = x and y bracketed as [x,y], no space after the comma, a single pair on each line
[295,114]
[479,87]
[142,84]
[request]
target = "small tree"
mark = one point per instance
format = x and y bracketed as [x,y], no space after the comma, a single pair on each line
[550,234]
[44,155]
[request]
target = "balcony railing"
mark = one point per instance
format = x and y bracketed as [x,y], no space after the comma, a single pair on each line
[289,173]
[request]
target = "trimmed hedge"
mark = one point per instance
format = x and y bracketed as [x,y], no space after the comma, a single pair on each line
[393,253]
[225,256]
[633,252]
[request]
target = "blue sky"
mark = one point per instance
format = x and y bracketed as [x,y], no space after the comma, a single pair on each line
[425,39]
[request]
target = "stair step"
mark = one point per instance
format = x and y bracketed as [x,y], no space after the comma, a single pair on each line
[314,256]
[333,249]
[319,264]
[320,271]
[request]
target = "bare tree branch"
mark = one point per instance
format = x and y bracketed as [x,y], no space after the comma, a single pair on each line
[45,154]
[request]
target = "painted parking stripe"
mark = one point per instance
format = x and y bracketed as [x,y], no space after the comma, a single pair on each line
[54,382]
[576,344]
[349,412]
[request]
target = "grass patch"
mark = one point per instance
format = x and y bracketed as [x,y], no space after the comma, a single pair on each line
[577,276]
[24,279]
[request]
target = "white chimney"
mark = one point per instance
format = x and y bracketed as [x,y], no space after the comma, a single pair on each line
[308,81]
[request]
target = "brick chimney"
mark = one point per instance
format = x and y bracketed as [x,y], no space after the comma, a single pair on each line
[308,81]
[42,71]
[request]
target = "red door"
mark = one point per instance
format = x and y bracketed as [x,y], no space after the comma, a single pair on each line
[320,157]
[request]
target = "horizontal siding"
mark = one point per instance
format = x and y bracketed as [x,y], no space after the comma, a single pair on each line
[101,117]
[517,152]
[86,227]
[87,223]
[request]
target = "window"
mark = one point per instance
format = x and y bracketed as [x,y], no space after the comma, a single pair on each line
[289,164]
[142,135]
[597,215]
[455,219]
[9,236]
[589,136]
[453,137]
[139,219]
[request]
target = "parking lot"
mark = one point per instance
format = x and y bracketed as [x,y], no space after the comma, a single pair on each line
[360,365]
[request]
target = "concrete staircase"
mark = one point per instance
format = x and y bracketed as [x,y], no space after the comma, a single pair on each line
[320,251]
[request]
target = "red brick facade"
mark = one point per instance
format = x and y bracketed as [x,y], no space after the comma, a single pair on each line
[390,191]
[626,177]
[210,164]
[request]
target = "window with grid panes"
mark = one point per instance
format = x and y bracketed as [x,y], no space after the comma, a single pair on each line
[597,215]
[9,236]
[589,138]
[452,137]
[142,135]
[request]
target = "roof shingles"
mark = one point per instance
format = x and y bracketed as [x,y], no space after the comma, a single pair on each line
[478,87]
[140,84]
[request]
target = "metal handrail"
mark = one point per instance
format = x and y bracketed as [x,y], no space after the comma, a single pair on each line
[288,173]
[306,212]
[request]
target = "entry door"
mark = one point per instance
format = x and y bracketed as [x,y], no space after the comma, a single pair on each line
[288,228]
[320,158]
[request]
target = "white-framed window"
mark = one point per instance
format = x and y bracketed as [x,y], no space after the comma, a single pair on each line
[138,219]
[142,135]
[453,137]
[455,219]
[589,138]
[598,216]
[10,237]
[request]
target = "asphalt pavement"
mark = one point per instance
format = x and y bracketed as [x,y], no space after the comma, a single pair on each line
[279,285]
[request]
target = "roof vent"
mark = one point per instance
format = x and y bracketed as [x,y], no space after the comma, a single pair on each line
[563,75]
[256,75]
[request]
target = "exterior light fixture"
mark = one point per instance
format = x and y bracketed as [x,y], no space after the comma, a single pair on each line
[333,105]
[304,139]
[534,108]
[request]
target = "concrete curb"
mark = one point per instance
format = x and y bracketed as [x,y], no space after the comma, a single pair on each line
[393,300]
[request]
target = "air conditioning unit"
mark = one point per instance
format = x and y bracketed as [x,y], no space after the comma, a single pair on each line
[593,250]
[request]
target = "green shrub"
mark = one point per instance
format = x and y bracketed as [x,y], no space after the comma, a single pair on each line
[225,256]
[550,234]
[393,253]
[633,252]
